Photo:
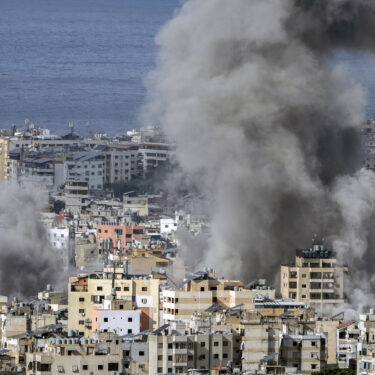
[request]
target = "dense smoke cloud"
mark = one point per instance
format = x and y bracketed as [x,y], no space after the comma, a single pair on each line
[27,262]
[267,127]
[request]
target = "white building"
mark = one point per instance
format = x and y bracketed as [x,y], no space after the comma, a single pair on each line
[168,225]
[87,166]
[121,322]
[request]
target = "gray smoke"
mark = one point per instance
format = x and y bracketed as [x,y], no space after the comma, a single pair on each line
[27,262]
[267,127]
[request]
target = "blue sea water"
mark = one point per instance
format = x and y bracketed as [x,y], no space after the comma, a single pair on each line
[77,60]
[85,61]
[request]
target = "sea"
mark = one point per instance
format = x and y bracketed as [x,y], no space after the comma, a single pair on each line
[84,61]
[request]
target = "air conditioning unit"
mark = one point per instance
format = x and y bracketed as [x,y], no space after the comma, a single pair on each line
[83,314]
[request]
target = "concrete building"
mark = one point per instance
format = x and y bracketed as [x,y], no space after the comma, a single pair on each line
[276,344]
[151,155]
[121,235]
[76,195]
[86,166]
[4,150]
[135,355]
[203,291]
[366,344]
[136,205]
[347,339]
[175,350]
[121,163]
[303,352]
[315,278]
[72,355]
[90,291]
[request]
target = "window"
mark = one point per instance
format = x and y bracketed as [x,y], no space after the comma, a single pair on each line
[313,343]
[216,343]
[169,358]
[144,289]
[118,288]
[100,367]
[214,299]
[113,366]
[99,288]
[303,296]
[203,344]
[81,311]
[81,322]
[303,286]
[85,367]
[225,355]
[169,346]
[126,289]
[304,276]
[121,307]
[225,343]
[160,358]
[202,288]
[130,331]
[213,288]
[141,353]
[216,356]
[160,370]
[130,319]
[105,320]
[313,366]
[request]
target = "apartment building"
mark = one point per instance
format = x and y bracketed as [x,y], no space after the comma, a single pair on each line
[303,352]
[72,355]
[121,163]
[347,338]
[4,150]
[202,291]
[76,195]
[315,278]
[152,154]
[135,205]
[90,291]
[135,355]
[121,235]
[86,166]
[272,343]
[366,344]
[175,349]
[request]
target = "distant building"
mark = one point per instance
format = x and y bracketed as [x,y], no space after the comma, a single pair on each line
[121,235]
[315,278]
[204,292]
[87,293]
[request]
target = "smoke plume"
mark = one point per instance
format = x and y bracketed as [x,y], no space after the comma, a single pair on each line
[267,127]
[27,262]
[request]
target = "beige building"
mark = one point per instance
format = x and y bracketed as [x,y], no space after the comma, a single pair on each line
[4,149]
[315,278]
[274,344]
[304,352]
[203,291]
[72,355]
[136,205]
[175,350]
[89,291]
